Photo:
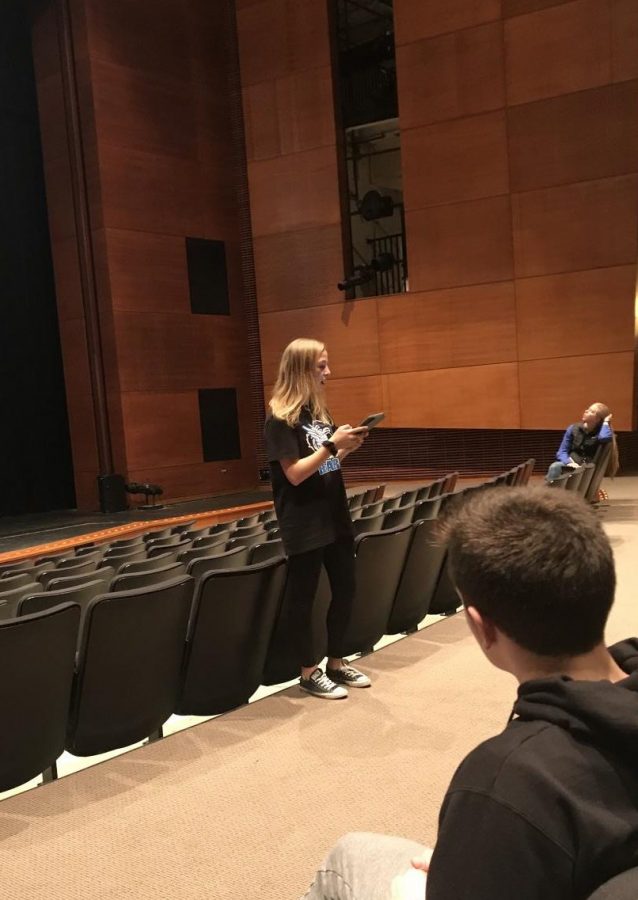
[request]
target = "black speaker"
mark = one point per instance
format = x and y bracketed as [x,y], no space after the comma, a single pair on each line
[112,493]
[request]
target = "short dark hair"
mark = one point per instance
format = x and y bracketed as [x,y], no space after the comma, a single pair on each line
[537,563]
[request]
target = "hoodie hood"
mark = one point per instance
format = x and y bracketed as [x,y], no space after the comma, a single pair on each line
[598,712]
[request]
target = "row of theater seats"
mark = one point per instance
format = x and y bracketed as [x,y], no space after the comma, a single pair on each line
[33,585]
[97,675]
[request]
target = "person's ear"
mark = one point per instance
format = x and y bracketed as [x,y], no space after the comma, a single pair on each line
[481,627]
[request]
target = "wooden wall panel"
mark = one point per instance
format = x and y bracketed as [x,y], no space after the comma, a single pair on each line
[576,313]
[162,429]
[461,243]
[472,397]
[520,7]
[624,33]
[606,377]
[153,82]
[279,36]
[142,190]
[161,351]
[466,326]
[350,335]
[578,226]
[294,192]
[413,21]
[350,400]
[148,272]
[456,74]
[558,50]
[289,115]
[576,137]
[519,127]
[298,269]
[464,159]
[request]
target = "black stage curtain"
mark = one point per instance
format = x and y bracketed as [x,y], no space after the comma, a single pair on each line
[36,472]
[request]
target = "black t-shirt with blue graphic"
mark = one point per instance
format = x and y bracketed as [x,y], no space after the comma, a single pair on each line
[314,513]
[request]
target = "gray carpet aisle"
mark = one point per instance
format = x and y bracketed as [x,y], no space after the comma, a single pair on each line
[244,806]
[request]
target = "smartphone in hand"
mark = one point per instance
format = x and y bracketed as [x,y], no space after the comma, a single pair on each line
[369,422]
[372,421]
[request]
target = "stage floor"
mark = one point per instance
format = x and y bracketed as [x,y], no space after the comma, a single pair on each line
[22,532]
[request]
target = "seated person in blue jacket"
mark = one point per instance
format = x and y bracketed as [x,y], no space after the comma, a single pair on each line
[548,808]
[581,440]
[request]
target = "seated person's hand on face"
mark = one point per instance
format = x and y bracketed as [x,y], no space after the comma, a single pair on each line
[573,465]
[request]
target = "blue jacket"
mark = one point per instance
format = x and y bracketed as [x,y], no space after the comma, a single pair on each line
[581,445]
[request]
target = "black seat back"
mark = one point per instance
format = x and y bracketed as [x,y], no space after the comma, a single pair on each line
[575,477]
[218,546]
[428,509]
[233,617]
[15,579]
[368,525]
[260,553]
[436,487]
[231,559]
[601,461]
[82,569]
[419,578]
[147,565]
[9,600]
[588,473]
[147,579]
[37,655]
[398,517]
[104,574]
[247,540]
[379,560]
[81,594]
[129,665]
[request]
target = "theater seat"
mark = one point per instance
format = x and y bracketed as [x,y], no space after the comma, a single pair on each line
[233,618]
[419,578]
[36,673]
[129,666]
[9,600]
[379,560]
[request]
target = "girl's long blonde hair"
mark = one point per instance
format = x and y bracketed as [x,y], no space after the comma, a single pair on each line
[296,385]
[602,411]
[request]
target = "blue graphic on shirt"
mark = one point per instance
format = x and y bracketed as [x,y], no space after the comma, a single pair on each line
[316,434]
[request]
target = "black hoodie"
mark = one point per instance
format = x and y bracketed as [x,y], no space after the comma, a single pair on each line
[547,810]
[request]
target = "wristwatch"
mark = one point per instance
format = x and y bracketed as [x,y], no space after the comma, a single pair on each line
[331,446]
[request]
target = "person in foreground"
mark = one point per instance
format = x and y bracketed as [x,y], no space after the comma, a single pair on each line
[548,809]
[305,451]
[582,439]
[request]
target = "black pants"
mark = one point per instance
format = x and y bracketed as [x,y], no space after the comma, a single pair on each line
[304,570]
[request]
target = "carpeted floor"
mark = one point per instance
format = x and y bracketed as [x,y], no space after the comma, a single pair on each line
[245,806]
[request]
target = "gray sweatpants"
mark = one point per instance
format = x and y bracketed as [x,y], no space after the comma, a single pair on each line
[361,866]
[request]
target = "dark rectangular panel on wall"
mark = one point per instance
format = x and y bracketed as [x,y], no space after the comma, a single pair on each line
[220,425]
[207,277]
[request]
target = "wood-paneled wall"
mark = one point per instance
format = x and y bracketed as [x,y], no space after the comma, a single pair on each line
[519,123]
[154,95]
